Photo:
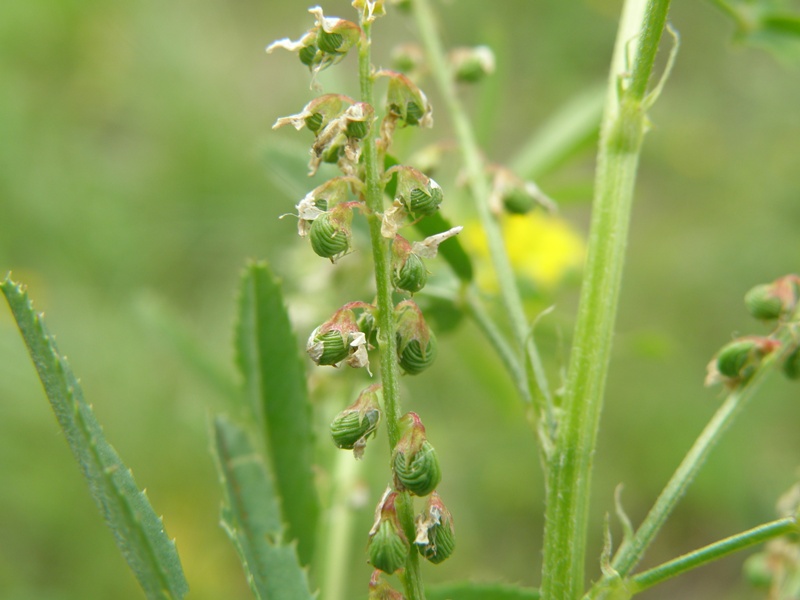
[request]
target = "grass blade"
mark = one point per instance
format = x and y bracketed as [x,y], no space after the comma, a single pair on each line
[251,517]
[275,385]
[138,531]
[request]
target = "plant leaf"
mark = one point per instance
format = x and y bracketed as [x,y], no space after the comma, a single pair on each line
[275,386]
[138,530]
[252,519]
[480,591]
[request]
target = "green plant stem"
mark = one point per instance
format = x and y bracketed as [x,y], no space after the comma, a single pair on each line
[381,253]
[476,310]
[338,531]
[569,476]
[479,187]
[712,552]
[632,550]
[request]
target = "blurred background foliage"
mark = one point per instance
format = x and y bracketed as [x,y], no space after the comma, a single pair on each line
[138,172]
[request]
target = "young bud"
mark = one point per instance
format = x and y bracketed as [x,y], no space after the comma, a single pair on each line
[370,9]
[408,58]
[416,466]
[791,365]
[770,301]
[330,232]
[339,340]
[738,360]
[515,196]
[405,102]
[351,428]
[436,536]
[416,344]
[470,65]
[408,271]
[388,546]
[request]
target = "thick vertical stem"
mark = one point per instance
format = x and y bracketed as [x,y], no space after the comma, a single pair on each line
[569,476]
[381,253]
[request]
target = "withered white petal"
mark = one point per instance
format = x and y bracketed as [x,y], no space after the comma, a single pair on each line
[429,247]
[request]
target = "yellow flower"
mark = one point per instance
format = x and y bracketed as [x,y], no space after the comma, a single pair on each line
[543,248]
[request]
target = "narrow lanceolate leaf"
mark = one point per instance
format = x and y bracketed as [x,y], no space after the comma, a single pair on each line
[138,530]
[480,591]
[251,516]
[275,385]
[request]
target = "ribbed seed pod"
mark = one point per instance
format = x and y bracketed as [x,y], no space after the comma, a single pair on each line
[418,472]
[762,302]
[308,55]
[350,426]
[329,42]
[413,358]
[328,239]
[388,548]
[423,203]
[357,129]
[414,113]
[334,348]
[314,122]
[411,276]
[734,357]
[442,542]
[791,366]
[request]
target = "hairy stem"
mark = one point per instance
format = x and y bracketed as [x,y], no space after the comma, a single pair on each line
[479,187]
[381,253]
[569,476]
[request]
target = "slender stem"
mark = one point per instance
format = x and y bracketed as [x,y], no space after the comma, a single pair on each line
[338,530]
[569,478]
[712,552]
[479,187]
[477,311]
[381,253]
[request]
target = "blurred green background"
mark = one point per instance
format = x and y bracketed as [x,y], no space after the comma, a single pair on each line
[138,172]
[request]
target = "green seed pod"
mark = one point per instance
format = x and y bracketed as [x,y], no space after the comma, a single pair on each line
[791,365]
[734,357]
[416,344]
[413,358]
[414,113]
[330,346]
[308,55]
[329,238]
[418,472]
[763,303]
[518,201]
[329,42]
[421,202]
[388,549]
[350,426]
[411,276]
[436,536]
[314,122]
[357,129]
